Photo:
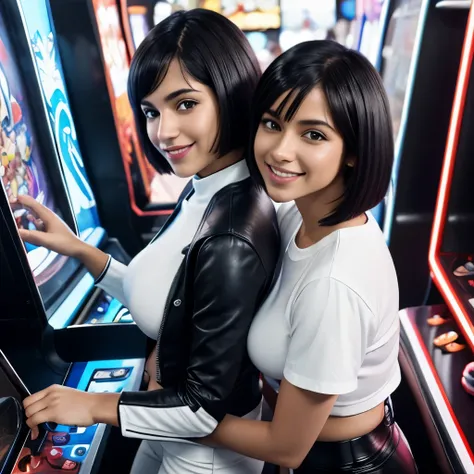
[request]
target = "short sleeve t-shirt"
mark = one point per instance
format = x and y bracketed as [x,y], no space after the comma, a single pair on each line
[331,323]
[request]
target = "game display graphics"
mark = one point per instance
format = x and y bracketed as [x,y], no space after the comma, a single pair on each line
[21,166]
[46,56]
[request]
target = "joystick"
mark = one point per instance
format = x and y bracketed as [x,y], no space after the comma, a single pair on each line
[467,379]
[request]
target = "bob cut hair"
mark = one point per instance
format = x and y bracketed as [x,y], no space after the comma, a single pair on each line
[212,50]
[358,106]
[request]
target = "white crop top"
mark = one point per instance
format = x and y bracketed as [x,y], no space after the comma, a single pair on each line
[331,323]
[144,285]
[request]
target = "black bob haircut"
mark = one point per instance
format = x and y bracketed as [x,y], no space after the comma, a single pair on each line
[358,106]
[212,50]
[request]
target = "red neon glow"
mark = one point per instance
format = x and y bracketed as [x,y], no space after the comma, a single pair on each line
[440,276]
[429,360]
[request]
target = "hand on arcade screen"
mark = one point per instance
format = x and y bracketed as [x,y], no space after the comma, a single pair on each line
[22,172]
[48,229]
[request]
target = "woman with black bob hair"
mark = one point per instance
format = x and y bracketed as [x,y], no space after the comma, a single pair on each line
[329,330]
[196,288]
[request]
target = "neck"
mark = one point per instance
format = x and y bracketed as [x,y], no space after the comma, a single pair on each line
[316,206]
[221,163]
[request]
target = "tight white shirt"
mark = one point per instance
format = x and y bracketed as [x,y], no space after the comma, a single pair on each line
[331,323]
[144,284]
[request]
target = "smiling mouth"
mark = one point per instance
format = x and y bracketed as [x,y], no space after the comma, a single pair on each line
[177,151]
[283,174]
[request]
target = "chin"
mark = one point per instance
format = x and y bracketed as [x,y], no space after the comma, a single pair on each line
[278,196]
[183,171]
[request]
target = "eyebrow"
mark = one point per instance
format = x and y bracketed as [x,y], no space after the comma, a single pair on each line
[171,96]
[305,123]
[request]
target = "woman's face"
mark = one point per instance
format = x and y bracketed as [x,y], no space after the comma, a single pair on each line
[182,121]
[303,156]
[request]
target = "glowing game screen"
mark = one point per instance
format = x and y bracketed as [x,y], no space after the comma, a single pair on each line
[397,55]
[21,168]
[256,15]
[43,41]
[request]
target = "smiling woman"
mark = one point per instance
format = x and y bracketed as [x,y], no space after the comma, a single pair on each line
[190,86]
[329,330]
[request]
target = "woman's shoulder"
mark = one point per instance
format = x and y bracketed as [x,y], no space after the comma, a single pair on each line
[243,212]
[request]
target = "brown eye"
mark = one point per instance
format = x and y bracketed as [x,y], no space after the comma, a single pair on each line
[150,114]
[187,105]
[314,135]
[270,125]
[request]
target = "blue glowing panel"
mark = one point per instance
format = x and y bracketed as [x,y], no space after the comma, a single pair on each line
[70,448]
[42,38]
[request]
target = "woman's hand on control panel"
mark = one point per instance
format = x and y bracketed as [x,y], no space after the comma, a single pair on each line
[53,233]
[70,407]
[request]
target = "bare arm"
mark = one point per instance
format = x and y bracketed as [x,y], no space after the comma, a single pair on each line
[92,258]
[55,235]
[299,418]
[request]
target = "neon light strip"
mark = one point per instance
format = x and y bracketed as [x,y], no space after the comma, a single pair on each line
[439,275]
[440,400]
[390,207]
[67,309]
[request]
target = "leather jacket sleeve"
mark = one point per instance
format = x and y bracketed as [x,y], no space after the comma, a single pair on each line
[229,283]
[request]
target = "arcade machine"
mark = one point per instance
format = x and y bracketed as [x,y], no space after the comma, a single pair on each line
[438,341]
[133,200]
[47,298]
[420,59]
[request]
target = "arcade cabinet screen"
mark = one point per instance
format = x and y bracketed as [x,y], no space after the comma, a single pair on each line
[46,55]
[397,55]
[21,168]
[257,15]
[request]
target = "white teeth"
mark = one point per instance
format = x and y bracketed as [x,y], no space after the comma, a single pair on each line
[281,174]
[175,152]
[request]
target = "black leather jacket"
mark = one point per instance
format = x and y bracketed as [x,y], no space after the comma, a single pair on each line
[202,359]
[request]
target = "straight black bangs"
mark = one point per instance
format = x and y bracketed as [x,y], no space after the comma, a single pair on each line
[358,105]
[214,52]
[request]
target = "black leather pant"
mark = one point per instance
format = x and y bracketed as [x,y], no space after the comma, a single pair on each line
[382,451]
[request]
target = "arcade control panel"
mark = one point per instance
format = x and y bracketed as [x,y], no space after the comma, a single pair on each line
[442,364]
[74,449]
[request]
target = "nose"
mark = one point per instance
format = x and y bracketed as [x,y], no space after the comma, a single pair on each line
[283,150]
[168,129]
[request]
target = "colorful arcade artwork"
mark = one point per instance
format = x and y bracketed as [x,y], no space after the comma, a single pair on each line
[46,55]
[21,166]
[116,61]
